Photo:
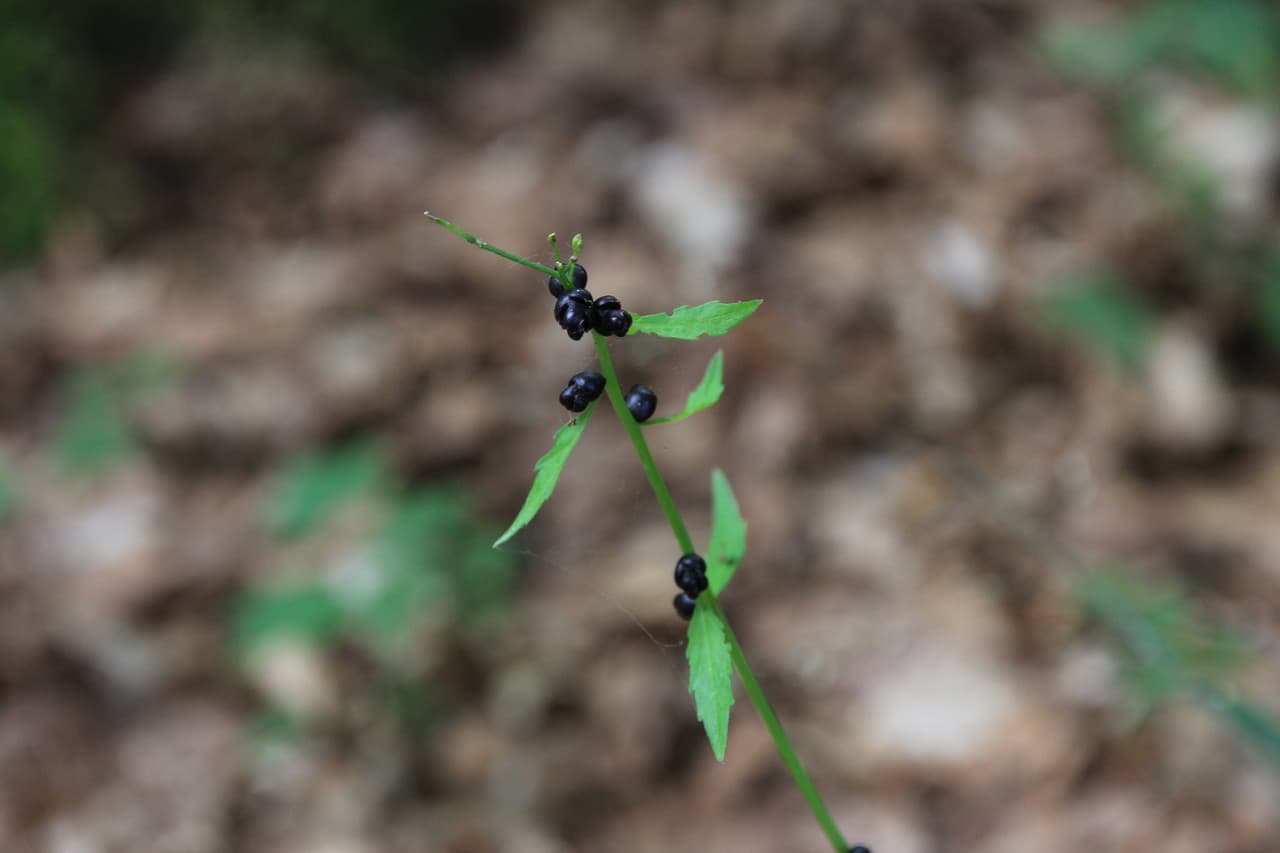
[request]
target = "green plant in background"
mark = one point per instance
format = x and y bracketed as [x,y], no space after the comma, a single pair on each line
[62,67]
[1231,44]
[1173,654]
[713,650]
[423,556]
[312,488]
[1096,309]
[65,67]
[8,490]
[1234,42]
[1267,281]
[94,431]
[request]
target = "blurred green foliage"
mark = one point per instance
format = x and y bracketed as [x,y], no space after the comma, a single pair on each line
[1233,45]
[1170,644]
[1234,42]
[1185,186]
[1174,654]
[64,67]
[94,430]
[8,489]
[312,488]
[1268,283]
[394,41]
[1256,725]
[423,559]
[303,611]
[1097,310]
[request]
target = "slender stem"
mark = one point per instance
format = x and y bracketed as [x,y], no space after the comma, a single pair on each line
[771,722]
[642,447]
[707,599]
[488,247]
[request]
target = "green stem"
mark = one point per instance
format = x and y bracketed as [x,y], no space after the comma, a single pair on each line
[642,447]
[754,691]
[489,247]
[771,722]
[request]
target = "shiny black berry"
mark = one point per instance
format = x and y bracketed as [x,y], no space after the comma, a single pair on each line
[579,276]
[589,383]
[684,605]
[613,321]
[692,563]
[581,390]
[573,312]
[608,317]
[570,400]
[641,402]
[860,848]
[556,286]
[691,584]
[691,574]
[573,300]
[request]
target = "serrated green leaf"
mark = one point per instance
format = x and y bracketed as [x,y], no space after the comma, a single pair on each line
[728,533]
[690,323]
[313,488]
[547,472]
[710,677]
[704,396]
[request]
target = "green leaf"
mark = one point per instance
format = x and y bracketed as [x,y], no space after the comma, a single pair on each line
[1269,298]
[728,533]
[8,490]
[1172,649]
[408,562]
[94,432]
[1232,40]
[312,489]
[704,396]
[688,324]
[547,472]
[305,611]
[1098,310]
[1248,720]
[710,677]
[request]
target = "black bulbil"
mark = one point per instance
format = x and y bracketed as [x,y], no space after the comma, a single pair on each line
[582,389]
[641,402]
[573,312]
[691,574]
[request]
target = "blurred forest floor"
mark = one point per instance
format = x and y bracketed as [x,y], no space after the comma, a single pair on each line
[1006,432]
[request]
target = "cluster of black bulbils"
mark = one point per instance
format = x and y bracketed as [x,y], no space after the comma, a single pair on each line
[691,577]
[586,387]
[578,313]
